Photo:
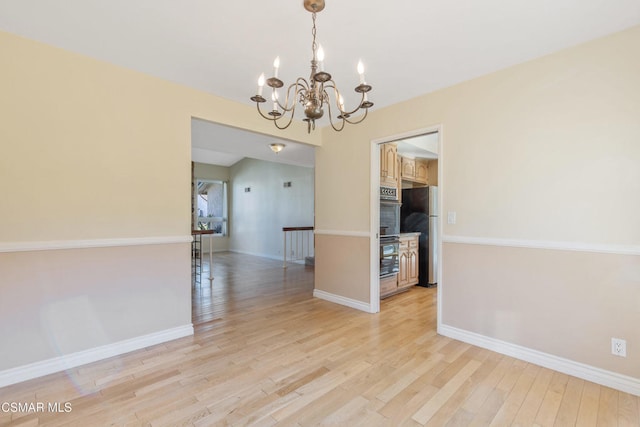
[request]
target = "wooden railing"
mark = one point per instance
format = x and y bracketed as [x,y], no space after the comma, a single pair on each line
[298,245]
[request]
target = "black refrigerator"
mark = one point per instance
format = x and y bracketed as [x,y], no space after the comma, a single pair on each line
[419,213]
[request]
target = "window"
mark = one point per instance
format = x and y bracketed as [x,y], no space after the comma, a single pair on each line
[211,206]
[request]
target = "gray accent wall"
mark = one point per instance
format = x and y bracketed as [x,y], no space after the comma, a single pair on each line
[256,217]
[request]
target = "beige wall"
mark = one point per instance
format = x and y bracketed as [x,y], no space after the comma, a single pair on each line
[59,302]
[336,270]
[565,303]
[544,154]
[85,146]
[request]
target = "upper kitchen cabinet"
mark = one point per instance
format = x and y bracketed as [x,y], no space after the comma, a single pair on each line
[414,170]
[419,158]
[389,174]
[422,171]
[408,168]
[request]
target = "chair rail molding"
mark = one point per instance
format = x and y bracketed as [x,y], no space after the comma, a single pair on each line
[50,245]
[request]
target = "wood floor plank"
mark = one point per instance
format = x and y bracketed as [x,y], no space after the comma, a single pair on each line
[512,404]
[265,352]
[475,401]
[589,405]
[628,410]
[570,405]
[608,407]
[529,409]
[547,414]
[424,414]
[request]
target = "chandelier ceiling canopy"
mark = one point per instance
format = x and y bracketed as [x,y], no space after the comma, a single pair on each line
[315,94]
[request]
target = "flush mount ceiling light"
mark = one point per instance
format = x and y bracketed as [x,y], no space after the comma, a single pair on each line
[276,147]
[313,95]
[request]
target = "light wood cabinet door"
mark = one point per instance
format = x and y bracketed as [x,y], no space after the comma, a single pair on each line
[408,169]
[389,164]
[408,262]
[422,171]
[414,170]
[404,267]
[412,261]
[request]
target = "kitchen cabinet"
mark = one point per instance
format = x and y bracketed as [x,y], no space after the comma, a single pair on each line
[414,170]
[389,174]
[408,267]
[408,260]
[422,171]
[408,170]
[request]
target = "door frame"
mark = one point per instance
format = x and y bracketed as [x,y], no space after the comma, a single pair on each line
[374,210]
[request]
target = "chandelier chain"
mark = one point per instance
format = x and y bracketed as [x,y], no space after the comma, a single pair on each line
[314,46]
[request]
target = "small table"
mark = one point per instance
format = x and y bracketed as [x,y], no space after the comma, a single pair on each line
[196,250]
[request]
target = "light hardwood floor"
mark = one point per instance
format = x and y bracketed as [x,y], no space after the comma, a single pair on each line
[265,352]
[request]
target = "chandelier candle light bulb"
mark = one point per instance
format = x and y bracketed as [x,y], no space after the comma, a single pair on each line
[321,57]
[361,72]
[260,84]
[315,94]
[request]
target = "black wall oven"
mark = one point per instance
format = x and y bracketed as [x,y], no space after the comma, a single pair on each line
[389,262]
[389,217]
[389,231]
[389,237]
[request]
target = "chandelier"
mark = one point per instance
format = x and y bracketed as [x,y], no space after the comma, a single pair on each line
[314,94]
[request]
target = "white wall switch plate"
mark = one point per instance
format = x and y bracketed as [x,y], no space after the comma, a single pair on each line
[451,217]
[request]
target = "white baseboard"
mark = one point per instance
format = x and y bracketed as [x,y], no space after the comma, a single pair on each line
[586,372]
[68,361]
[358,305]
[261,255]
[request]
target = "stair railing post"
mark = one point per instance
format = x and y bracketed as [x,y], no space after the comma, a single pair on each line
[284,254]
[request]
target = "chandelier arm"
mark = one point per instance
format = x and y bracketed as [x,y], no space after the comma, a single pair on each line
[330,84]
[275,119]
[355,122]
[337,96]
[342,119]
[298,85]
[336,128]
[275,122]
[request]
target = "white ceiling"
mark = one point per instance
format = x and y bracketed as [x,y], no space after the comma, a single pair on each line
[408,47]
[222,145]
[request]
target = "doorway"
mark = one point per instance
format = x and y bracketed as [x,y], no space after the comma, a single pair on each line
[422,148]
[244,193]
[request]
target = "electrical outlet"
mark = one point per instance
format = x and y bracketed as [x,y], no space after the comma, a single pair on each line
[618,347]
